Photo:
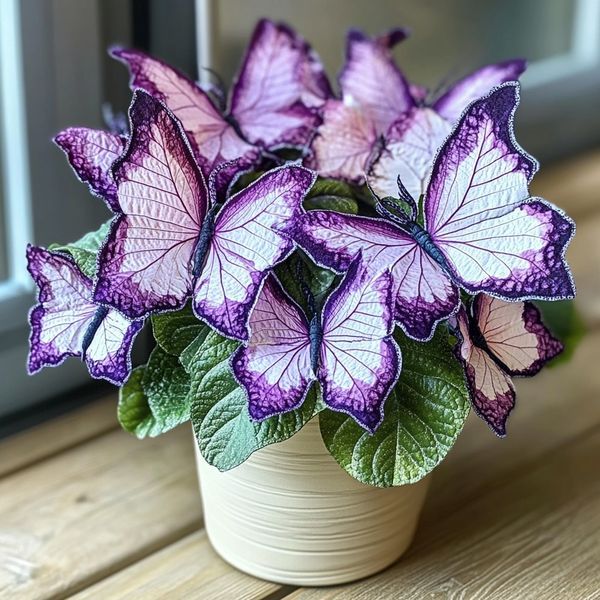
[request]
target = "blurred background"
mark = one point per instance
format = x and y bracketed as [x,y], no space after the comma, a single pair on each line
[54,72]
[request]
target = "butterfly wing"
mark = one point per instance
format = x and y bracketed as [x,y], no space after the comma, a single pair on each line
[491,389]
[410,149]
[371,80]
[64,310]
[145,264]
[91,153]
[109,354]
[214,141]
[344,143]
[476,85]
[477,208]
[279,85]
[515,335]
[422,294]
[248,241]
[360,361]
[274,367]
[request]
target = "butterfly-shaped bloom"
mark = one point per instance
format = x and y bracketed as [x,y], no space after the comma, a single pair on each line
[349,349]
[67,322]
[274,102]
[383,125]
[496,341]
[167,243]
[481,229]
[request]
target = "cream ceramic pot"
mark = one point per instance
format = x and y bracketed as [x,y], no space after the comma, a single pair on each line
[290,514]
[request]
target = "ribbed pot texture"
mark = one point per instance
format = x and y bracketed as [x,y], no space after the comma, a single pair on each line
[290,514]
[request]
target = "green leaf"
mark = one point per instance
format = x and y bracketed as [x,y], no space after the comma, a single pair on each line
[174,331]
[133,411]
[85,250]
[423,416]
[332,194]
[166,385]
[219,409]
[319,280]
[565,323]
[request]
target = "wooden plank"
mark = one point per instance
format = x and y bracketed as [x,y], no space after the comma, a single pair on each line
[535,536]
[572,184]
[552,408]
[53,436]
[187,569]
[79,516]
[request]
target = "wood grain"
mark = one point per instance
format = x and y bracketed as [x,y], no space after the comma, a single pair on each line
[187,569]
[22,449]
[535,536]
[75,518]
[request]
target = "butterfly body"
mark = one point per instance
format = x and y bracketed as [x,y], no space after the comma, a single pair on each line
[315,334]
[88,336]
[204,239]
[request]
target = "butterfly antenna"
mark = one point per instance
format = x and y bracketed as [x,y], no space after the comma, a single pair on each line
[389,209]
[406,196]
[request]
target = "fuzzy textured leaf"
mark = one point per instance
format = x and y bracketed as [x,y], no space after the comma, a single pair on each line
[166,385]
[332,194]
[175,331]
[133,411]
[219,411]
[424,415]
[85,250]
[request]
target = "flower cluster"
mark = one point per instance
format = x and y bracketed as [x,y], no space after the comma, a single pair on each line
[329,254]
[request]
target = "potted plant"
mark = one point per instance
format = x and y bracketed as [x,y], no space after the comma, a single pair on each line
[332,283]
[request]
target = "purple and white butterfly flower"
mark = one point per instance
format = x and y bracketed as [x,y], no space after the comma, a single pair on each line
[274,102]
[481,231]
[383,126]
[168,243]
[496,341]
[67,322]
[348,349]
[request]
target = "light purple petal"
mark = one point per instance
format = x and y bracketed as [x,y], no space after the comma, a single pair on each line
[249,239]
[274,368]
[280,84]
[422,293]
[145,263]
[492,391]
[360,361]
[475,85]
[515,335]
[371,80]
[495,238]
[213,139]
[91,153]
[345,142]
[410,149]
[109,354]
